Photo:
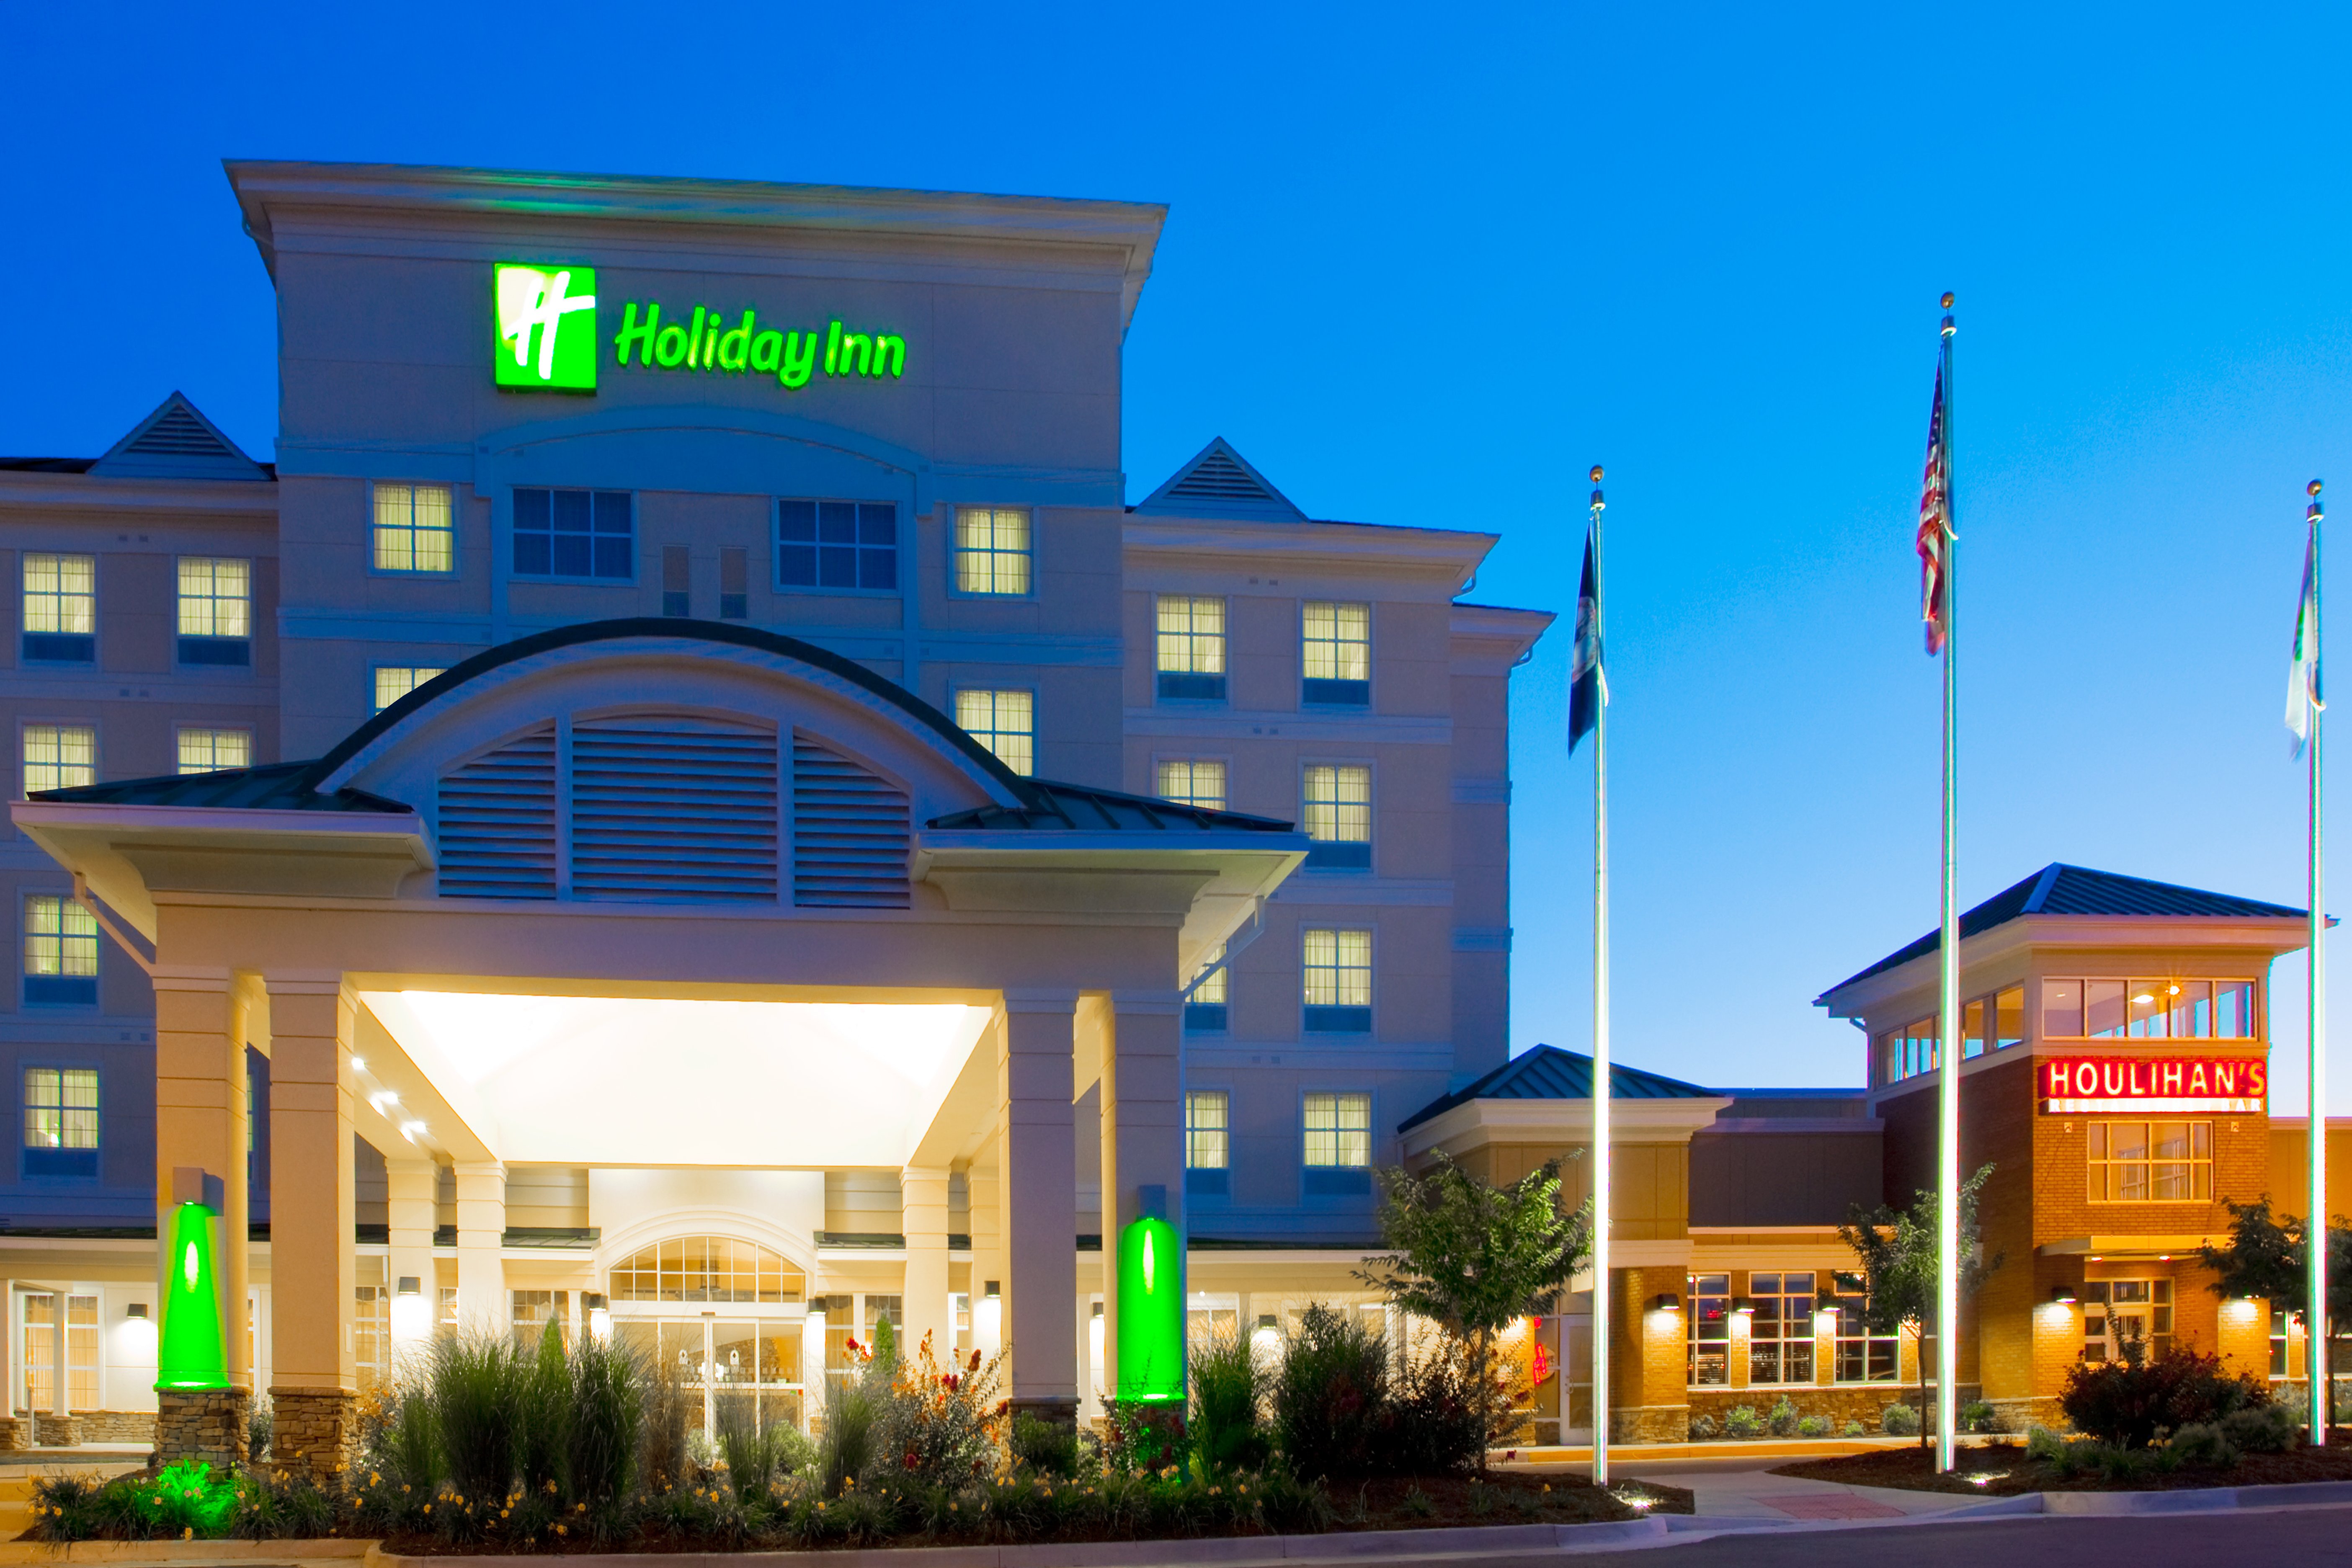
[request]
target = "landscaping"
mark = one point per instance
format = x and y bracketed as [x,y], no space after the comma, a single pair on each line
[583,1448]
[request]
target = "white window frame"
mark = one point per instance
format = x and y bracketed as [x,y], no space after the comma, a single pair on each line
[379,495]
[60,598]
[212,599]
[25,764]
[418,675]
[1336,641]
[1192,797]
[1024,767]
[1339,967]
[182,733]
[1196,1132]
[992,552]
[1339,1131]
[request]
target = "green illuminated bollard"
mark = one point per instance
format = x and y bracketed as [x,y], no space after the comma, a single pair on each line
[1150,1314]
[194,1355]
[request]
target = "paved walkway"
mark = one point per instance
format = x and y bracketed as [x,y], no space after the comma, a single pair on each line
[1742,1486]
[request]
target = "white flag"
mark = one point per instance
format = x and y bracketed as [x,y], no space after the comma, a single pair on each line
[2302,697]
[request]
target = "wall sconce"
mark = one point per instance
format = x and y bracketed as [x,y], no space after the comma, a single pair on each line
[412,1318]
[137,1309]
[138,1332]
[2062,1295]
[988,1319]
[600,1317]
[1665,1302]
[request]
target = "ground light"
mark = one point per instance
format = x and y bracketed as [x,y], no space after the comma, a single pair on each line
[193,1357]
[1151,1313]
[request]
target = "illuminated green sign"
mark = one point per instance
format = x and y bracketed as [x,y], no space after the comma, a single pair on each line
[193,1356]
[1151,1313]
[706,340]
[546,325]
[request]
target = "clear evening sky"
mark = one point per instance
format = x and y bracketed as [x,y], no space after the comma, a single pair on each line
[1426,266]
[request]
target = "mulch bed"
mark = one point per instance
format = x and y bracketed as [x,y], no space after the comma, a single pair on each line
[2007,1471]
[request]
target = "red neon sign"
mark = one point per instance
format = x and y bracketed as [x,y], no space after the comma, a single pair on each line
[2153,1083]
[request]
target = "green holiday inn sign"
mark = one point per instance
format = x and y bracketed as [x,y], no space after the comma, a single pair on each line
[548,339]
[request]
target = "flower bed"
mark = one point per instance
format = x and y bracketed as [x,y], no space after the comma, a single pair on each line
[2010,1470]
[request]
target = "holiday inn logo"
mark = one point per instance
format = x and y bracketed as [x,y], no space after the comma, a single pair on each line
[547,326]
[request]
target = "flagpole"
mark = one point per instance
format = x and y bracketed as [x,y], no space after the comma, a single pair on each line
[1948,1112]
[2314,1227]
[1603,1304]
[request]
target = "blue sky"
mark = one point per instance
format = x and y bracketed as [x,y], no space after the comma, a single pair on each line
[1427,265]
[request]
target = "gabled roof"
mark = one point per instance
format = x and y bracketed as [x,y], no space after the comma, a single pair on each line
[177,442]
[2061,890]
[1073,808]
[277,786]
[1548,1072]
[1220,482]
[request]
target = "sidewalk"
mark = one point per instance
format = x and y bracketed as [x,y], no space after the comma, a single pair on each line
[1746,1490]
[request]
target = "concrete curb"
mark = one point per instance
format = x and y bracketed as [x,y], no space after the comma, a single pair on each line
[185,1551]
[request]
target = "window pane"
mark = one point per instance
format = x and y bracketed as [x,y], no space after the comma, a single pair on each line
[2149,1005]
[1004,723]
[209,751]
[1211,991]
[1205,1131]
[1200,783]
[2102,1008]
[2008,1019]
[1972,1030]
[2061,1008]
[1339,803]
[215,596]
[574,533]
[393,682]
[61,593]
[59,756]
[1336,641]
[2233,1009]
[1191,638]
[991,550]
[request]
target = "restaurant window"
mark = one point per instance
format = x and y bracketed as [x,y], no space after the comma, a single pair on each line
[1339,817]
[1910,1051]
[372,1331]
[706,1268]
[1189,646]
[2126,1312]
[1192,781]
[843,544]
[1003,721]
[1781,1328]
[395,682]
[2004,1011]
[2278,1340]
[1204,1008]
[1208,1148]
[61,1121]
[209,751]
[992,550]
[60,613]
[575,534]
[1336,648]
[2147,1009]
[39,1350]
[533,1311]
[215,610]
[415,529]
[1336,967]
[59,756]
[1862,1356]
[60,952]
[1336,1131]
[1707,1330]
[2151,1162]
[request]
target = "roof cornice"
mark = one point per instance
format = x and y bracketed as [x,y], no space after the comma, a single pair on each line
[1309,544]
[1475,1122]
[90,492]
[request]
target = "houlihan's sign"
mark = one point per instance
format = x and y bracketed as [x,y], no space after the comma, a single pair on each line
[547,338]
[2080,1084]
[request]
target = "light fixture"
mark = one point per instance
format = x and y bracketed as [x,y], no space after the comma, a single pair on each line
[412,1320]
[2143,999]
[2062,1296]
[600,1318]
[1665,1302]
[138,1310]
[359,1065]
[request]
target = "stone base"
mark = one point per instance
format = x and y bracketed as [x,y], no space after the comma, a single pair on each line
[117,1426]
[1842,1403]
[207,1426]
[1062,1409]
[15,1433]
[316,1429]
[2021,1415]
[57,1431]
[1650,1424]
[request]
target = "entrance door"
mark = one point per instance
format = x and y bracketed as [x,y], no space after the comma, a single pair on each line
[2118,1312]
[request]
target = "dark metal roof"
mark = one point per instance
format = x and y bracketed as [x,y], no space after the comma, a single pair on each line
[279,786]
[1548,1072]
[46,465]
[2061,890]
[1073,808]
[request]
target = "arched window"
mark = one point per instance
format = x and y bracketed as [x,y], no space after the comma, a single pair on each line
[707,1268]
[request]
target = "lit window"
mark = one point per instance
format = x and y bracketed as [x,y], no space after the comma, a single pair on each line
[395,682]
[2151,1162]
[2146,1009]
[1190,648]
[1337,649]
[59,756]
[1338,1129]
[574,533]
[209,751]
[2006,1012]
[1337,967]
[2126,1312]
[1862,1356]
[1003,721]
[991,550]
[1707,1329]
[1916,1047]
[1206,1131]
[215,610]
[1339,816]
[416,528]
[60,608]
[533,1311]
[1204,1010]
[60,952]
[39,1356]
[1781,1328]
[60,1108]
[837,544]
[707,1268]
[1194,782]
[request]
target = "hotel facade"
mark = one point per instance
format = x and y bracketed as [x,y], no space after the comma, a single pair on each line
[686,803]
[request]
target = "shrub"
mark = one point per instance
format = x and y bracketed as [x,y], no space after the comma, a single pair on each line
[607,1427]
[1855,1429]
[662,1457]
[1436,1423]
[2202,1444]
[1814,1426]
[2127,1404]
[1703,1427]
[1979,1417]
[2260,1428]
[1328,1394]
[1743,1422]
[1043,1448]
[476,1380]
[1783,1419]
[543,1413]
[1228,1392]
[1899,1421]
[260,1420]
[2040,1443]
[848,1449]
[930,1428]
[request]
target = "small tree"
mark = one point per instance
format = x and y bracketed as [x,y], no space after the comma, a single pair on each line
[1471,1258]
[2269,1257]
[1898,1249]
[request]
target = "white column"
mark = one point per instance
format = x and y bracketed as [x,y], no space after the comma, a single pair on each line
[481,1231]
[1038,1198]
[1141,1044]
[311,1192]
[409,1191]
[923,1220]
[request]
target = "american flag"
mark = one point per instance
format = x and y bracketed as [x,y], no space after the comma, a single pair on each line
[1935,523]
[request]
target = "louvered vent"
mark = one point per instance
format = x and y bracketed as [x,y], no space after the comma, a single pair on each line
[1218,478]
[179,434]
[497,822]
[673,807]
[850,832]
